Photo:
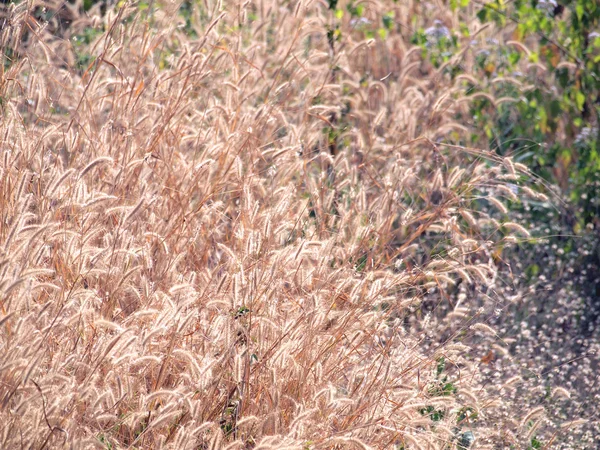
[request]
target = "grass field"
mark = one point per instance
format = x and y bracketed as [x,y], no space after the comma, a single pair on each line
[251,225]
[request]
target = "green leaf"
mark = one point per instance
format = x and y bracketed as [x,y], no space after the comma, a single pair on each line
[388,20]
[535,443]
[339,13]
[555,108]
[543,121]
[355,11]
[482,14]
[441,365]
[532,271]
[514,57]
[242,311]
[464,30]
[361,263]
[579,100]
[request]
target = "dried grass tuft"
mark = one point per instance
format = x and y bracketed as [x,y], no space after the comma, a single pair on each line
[216,229]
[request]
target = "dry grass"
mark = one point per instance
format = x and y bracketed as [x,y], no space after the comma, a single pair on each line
[219,238]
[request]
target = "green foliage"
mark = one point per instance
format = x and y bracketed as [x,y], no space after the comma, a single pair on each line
[434,414]
[545,66]
[561,108]
[388,20]
[466,414]
[241,312]
[355,10]
[104,440]
[441,365]
[442,387]
[361,264]
[186,11]
[439,388]
[89,4]
[438,43]
[81,44]
[535,444]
